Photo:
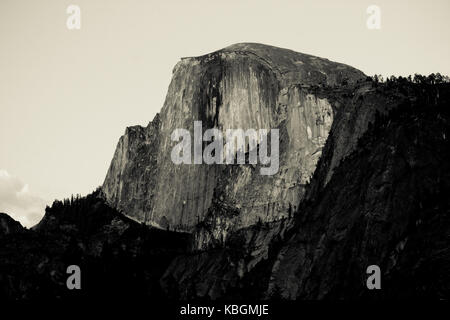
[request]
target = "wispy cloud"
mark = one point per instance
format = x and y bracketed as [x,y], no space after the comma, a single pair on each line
[17,201]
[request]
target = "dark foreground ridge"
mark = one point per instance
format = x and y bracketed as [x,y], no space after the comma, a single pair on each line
[118,257]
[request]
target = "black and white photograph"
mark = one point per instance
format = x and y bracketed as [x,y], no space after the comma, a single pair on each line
[240,159]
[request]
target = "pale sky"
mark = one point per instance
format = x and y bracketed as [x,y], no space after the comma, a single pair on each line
[66,96]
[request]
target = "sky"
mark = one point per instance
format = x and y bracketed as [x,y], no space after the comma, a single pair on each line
[66,96]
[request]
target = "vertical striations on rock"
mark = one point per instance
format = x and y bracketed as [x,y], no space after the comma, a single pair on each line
[244,86]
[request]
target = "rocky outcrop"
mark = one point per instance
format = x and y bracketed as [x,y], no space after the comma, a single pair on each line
[242,86]
[385,204]
[130,181]
[8,225]
[238,269]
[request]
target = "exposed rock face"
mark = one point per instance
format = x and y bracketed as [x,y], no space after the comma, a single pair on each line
[242,86]
[239,269]
[130,181]
[382,200]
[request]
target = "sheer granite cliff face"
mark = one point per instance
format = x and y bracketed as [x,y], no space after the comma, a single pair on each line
[130,181]
[242,86]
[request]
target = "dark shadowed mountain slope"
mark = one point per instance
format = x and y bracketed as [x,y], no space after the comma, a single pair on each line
[118,257]
[386,204]
[8,225]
